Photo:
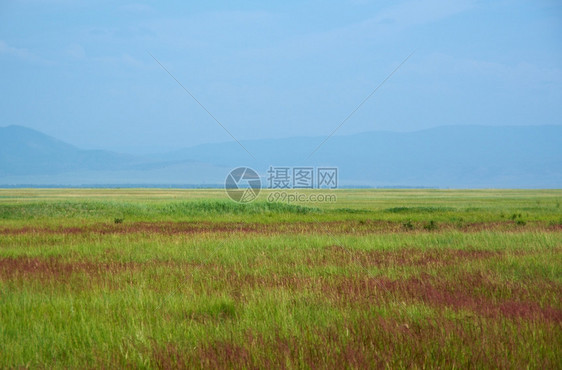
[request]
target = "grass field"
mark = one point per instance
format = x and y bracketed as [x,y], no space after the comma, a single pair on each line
[187,278]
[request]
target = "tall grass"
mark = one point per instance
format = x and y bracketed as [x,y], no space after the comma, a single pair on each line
[317,288]
[70,209]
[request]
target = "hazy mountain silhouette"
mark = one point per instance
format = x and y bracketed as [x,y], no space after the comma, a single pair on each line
[24,151]
[451,156]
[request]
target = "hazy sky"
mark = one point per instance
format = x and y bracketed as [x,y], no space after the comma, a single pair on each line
[80,70]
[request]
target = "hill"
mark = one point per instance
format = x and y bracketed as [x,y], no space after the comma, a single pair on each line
[450,156]
[24,151]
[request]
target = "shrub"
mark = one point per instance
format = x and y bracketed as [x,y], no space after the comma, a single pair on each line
[432,225]
[408,225]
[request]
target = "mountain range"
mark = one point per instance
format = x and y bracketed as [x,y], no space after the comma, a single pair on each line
[444,157]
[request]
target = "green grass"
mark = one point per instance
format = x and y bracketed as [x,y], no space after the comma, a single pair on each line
[380,278]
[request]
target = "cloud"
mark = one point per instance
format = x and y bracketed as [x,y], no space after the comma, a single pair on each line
[379,27]
[402,16]
[19,53]
[76,51]
[521,75]
[124,60]
[54,2]
[22,54]
[136,8]
[411,13]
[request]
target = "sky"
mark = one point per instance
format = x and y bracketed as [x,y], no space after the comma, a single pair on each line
[82,71]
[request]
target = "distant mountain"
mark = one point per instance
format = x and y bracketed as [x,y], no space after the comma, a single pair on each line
[24,151]
[451,156]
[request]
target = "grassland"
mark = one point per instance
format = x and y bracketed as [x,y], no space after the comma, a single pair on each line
[186,278]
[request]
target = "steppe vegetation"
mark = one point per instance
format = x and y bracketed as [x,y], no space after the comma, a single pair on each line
[188,278]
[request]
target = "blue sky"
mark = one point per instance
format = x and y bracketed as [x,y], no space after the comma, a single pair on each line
[80,71]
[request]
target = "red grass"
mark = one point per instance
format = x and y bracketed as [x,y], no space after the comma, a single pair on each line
[341,256]
[55,268]
[364,342]
[345,227]
[462,293]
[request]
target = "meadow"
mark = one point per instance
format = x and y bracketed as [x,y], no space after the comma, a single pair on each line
[156,278]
